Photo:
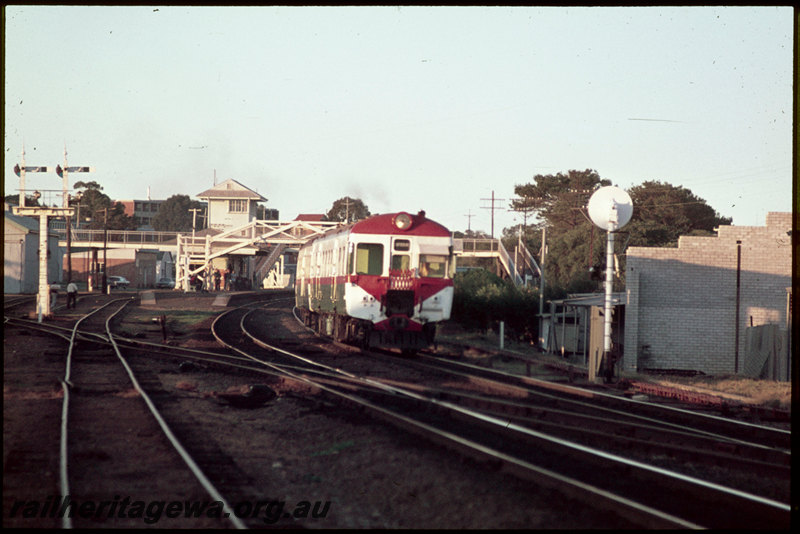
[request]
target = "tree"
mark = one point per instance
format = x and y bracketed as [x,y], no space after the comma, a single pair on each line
[93,204]
[558,198]
[559,202]
[663,212]
[174,215]
[481,298]
[13,200]
[264,213]
[347,209]
[471,234]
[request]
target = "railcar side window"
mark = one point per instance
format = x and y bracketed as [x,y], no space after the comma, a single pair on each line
[369,258]
[432,265]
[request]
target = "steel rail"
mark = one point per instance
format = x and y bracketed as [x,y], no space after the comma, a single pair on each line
[578,392]
[734,426]
[633,510]
[668,439]
[770,506]
[54,329]
[179,448]
[66,520]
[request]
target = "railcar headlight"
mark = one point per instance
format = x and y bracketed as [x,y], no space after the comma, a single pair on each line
[402,221]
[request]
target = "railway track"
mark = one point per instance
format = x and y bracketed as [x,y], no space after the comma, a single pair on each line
[582,469]
[105,479]
[519,435]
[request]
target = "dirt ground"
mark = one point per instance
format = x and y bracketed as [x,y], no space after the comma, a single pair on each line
[745,390]
[360,472]
[325,465]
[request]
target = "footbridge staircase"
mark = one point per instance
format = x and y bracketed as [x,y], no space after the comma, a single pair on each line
[519,266]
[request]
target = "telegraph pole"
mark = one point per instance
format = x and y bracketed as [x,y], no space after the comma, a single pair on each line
[346,210]
[469,217]
[493,200]
[542,259]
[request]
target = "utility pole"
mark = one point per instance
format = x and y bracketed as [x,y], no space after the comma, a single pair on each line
[542,257]
[738,293]
[469,217]
[104,283]
[493,200]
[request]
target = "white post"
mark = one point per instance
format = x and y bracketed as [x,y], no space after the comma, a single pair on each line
[22,185]
[612,227]
[541,287]
[502,333]
[44,286]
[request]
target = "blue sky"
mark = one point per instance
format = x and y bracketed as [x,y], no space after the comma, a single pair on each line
[407,108]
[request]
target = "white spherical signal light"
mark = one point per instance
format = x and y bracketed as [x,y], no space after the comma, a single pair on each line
[610,205]
[402,221]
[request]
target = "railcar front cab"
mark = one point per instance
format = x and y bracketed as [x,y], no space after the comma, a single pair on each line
[401,282]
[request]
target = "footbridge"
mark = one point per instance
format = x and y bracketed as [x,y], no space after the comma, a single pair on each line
[519,265]
[267,240]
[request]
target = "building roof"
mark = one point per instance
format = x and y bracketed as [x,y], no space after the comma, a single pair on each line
[27,223]
[592,299]
[311,217]
[231,189]
[31,224]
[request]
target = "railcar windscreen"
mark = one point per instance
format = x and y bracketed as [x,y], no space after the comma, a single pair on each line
[432,265]
[369,258]
[401,262]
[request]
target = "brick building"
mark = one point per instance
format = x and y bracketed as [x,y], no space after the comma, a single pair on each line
[681,311]
[142,211]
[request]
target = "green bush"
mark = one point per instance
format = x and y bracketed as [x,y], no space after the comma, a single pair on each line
[481,300]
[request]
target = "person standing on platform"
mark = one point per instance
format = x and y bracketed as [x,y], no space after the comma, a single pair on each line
[72,295]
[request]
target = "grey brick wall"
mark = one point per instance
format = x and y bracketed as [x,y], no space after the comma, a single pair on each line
[681,309]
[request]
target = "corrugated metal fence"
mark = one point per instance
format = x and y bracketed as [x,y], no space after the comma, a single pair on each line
[766,353]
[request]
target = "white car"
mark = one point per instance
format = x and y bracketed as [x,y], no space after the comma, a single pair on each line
[165,283]
[118,282]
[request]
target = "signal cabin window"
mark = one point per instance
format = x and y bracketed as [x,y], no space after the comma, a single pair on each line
[369,258]
[432,265]
[237,206]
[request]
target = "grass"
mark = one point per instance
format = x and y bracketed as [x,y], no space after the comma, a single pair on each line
[749,390]
[763,392]
[179,322]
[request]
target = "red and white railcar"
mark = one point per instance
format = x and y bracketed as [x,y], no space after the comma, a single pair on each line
[383,281]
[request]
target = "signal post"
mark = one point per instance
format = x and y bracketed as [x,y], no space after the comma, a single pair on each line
[63,172]
[43,212]
[43,297]
[610,208]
